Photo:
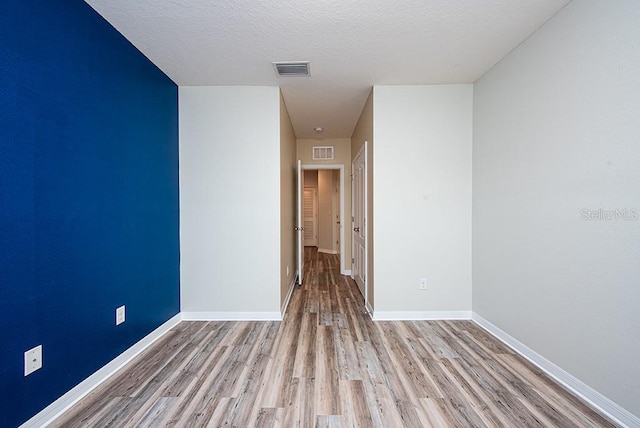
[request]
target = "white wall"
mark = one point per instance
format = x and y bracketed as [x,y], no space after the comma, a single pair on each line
[230,199]
[422,197]
[557,131]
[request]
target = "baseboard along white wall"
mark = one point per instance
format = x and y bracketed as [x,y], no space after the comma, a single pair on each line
[369,309]
[592,397]
[324,250]
[283,309]
[420,315]
[231,316]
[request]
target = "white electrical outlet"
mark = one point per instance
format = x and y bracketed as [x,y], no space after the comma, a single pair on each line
[423,284]
[32,360]
[120,315]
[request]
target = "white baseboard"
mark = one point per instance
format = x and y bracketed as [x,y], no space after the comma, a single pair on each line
[346,272]
[420,315]
[369,309]
[284,306]
[62,404]
[322,250]
[596,400]
[231,316]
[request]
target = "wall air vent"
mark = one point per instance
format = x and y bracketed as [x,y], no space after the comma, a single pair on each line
[322,152]
[292,68]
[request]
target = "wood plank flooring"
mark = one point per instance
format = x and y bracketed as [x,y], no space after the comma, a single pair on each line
[328,365]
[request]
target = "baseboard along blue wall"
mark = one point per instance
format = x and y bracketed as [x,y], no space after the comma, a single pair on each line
[89,211]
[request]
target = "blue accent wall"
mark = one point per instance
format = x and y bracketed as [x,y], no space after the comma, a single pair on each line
[88,198]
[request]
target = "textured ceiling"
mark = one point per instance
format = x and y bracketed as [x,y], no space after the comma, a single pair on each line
[352,45]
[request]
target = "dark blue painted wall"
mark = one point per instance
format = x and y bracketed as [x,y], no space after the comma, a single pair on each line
[88,198]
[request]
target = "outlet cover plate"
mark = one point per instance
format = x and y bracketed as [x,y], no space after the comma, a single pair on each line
[120,315]
[423,284]
[32,360]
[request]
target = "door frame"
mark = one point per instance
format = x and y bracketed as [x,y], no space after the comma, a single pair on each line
[339,167]
[365,204]
[299,228]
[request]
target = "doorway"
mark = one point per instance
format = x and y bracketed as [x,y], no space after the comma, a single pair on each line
[330,208]
[321,210]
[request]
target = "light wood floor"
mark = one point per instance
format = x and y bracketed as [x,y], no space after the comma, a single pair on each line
[328,365]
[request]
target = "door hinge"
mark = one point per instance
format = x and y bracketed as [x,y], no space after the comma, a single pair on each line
[352,260]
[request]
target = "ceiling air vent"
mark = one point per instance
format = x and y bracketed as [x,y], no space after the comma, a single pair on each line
[292,68]
[322,152]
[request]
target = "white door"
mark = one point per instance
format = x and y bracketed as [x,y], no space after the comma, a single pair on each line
[310,216]
[359,220]
[299,223]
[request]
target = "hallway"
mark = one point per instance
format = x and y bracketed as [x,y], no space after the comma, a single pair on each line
[328,365]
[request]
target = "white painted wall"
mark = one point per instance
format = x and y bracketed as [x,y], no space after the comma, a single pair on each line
[556,132]
[230,199]
[422,197]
